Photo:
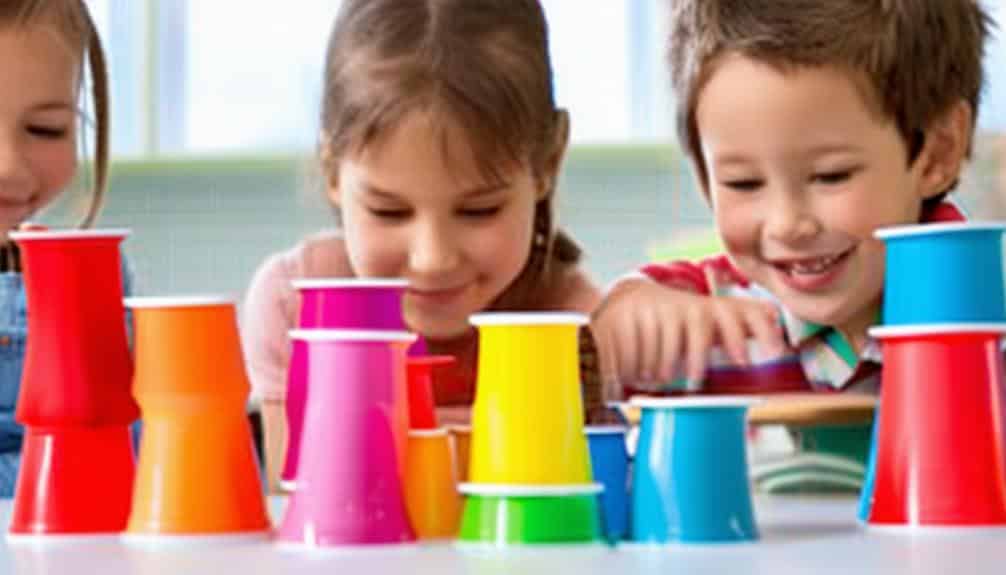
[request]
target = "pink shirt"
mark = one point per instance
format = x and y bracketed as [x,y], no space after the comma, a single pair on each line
[272,306]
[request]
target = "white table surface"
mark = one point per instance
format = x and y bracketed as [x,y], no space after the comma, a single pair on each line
[799,535]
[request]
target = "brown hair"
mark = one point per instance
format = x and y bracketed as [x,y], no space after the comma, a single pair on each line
[912,59]
[481,64]
[73,21]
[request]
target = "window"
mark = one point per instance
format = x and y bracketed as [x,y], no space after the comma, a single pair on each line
[244,76]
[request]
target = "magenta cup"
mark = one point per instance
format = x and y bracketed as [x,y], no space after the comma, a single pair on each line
[334,303]
[349,483]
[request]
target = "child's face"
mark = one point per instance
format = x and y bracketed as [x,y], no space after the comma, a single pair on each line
[406,213]
[801,173]
[38,117]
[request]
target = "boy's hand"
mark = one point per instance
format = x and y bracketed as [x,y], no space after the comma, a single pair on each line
[647,332]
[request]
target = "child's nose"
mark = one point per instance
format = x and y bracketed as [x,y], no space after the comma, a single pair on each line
[434,249]
[789,219]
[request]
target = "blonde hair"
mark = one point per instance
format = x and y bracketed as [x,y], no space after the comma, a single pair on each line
[483,64]
[73,21]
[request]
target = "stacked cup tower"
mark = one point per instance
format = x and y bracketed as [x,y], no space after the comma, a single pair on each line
[529,476]
[347,411]
[77,468]
[939,455]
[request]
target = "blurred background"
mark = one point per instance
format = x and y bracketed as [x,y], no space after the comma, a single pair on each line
[215,106]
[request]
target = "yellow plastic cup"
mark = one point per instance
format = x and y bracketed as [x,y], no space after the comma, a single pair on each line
[197,472]
[527,421]
[431,493]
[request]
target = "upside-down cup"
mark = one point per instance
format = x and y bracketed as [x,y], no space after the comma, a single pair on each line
[690,477]
[527,420]
[333,303]
[197,473]
[431,487]
[940,441]
[508,515]
[77,367]
[943,273]
[350,479]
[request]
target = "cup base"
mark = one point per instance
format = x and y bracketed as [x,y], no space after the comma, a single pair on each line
[188,540]
[59,539]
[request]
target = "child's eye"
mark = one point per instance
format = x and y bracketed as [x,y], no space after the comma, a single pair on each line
[832,178]
[479,213]
[396,215]
[748,185]
[48,132]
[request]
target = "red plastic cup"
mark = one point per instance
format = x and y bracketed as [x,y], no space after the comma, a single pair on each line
[77,368]
[74,481]
[421,371]
[940,455]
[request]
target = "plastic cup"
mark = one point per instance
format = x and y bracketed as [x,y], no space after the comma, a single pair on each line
[73,481]
[349,483]
[422,407]
[866,493]
[461,438]
[527,420]
[431,494]
[926,263]
[690,476]
[334,303]
[609,460]
[197,472]
[77,367]
[940,453]
[504,515]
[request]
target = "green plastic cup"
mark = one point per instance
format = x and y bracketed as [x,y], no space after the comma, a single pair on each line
[504,515]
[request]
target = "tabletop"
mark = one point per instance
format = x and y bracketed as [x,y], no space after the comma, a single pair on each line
[800,534]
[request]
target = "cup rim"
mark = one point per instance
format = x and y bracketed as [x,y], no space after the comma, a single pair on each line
[350,282]
[937,228]
[693,401]
[352,335]
[435,432]
[528,318]
[434,360]
[29,235]
[895,331]
[538,490]
[206,300]
[612,429]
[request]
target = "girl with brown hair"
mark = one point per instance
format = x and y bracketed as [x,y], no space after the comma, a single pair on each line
[441,146]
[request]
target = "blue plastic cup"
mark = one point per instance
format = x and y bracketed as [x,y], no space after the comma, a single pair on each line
[944,273]
[690,476]
[609,459]
[866,495]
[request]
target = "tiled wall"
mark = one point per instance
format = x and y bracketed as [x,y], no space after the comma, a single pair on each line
[203,226]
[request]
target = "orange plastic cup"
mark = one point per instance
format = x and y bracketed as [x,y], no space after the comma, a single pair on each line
[431,491]
[197,472]
[461,437]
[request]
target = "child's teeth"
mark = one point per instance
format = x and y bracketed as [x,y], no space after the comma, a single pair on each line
[815,266]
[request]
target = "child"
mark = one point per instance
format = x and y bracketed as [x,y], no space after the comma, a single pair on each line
[43,46]
[810,125]
[441,145]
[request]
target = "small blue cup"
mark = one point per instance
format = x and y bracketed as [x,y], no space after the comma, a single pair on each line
[609,459]
[866,495]
[690,475]
[944,273]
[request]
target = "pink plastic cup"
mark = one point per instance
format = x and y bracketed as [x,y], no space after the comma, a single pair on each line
[350,479]
[334,303]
